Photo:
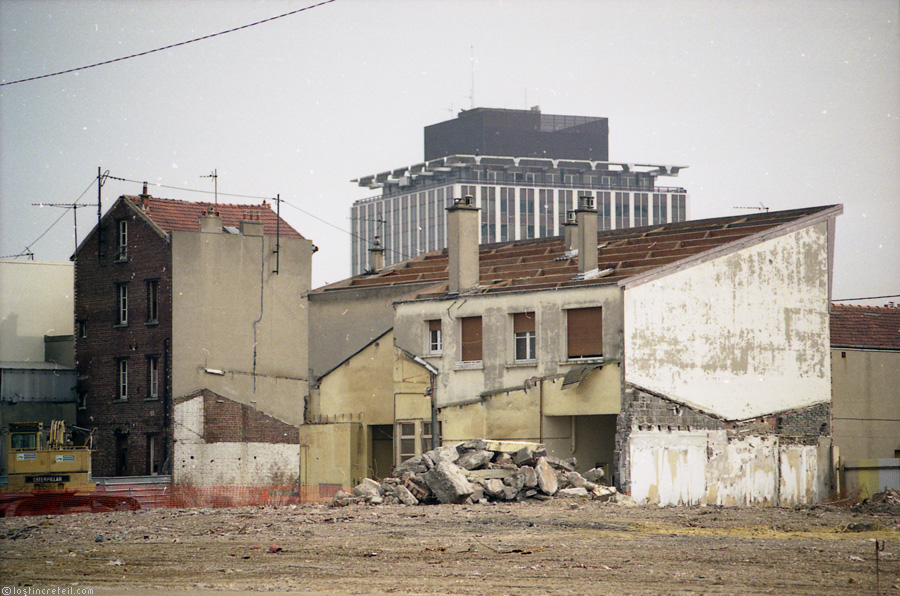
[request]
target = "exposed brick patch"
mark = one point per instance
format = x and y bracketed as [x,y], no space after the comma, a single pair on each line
[643,409]
[228,421]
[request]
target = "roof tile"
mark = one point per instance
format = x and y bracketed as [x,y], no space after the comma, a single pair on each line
[865,326]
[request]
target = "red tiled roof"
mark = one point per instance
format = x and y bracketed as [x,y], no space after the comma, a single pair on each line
[172,215]
[865,326]
[543,264]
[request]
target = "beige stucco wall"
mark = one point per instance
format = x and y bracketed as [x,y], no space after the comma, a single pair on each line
[498,369]
[866,403]
[228,304]
[36,299]
[341,322]
[332,454]
[361,387]
[738,336]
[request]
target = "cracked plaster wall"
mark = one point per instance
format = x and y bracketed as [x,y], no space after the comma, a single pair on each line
[738,336]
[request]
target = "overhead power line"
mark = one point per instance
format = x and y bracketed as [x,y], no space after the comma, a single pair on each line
[866,298]
[169,47]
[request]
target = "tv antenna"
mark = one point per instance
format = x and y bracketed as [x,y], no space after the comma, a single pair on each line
[215,176]
[762,208]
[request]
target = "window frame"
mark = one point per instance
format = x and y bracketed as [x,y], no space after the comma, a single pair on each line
[434,338]
[122,303]
[153,301]
[152,377]
[122,240]
[122,379]
[524,336]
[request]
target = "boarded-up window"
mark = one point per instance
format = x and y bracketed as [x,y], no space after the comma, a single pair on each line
[585,332]
[470,331]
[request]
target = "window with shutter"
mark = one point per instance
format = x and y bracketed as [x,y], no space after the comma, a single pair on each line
[435,341]
[584,332]
[523,329]
[470,331]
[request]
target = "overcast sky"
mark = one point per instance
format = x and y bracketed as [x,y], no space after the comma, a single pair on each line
[784,104]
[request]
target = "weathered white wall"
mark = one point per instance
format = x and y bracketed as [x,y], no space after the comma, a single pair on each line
[738,336]
[704,467]
[36,299]
[224,288]
[201,464]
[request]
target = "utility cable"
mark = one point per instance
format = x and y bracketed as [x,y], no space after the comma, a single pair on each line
[169,47]
[65,211]
[867,298]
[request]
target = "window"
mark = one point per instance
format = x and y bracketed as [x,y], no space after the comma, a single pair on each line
[122,253]
[523,328]
[435,341]
[153,301]
[82,400]
[407,438]
[122,304]
[584,332]
[152,455]
[82,329]
[153,377]
[123,379]
[412,438]
[470,335]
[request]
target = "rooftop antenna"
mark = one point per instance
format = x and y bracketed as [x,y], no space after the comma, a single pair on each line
[215,176]
[73,206]
[472,96]
[277,232]
[762,208]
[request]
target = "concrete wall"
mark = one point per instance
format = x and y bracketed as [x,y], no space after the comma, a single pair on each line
[866,403]
[739,336]
[208,464]
[36,299]
[231,313]
[461,382]
[341,322]
[709,467]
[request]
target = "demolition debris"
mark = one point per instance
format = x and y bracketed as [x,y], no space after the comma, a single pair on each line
[481,471]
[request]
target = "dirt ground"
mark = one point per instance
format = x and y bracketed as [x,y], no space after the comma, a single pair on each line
[562,546]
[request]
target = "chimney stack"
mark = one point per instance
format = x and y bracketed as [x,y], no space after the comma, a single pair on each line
[145,198]
[570,231]
[586,218]
[462,244]
[376,256]
[211,222]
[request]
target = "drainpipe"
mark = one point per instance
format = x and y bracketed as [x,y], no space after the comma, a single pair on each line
[541,411]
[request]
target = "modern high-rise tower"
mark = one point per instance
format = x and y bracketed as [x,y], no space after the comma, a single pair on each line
[525,171]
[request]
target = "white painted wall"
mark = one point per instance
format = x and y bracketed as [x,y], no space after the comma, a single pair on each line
[738,336]
[704,467]
[201,464]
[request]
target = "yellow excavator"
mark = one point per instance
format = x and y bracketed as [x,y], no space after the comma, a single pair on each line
[51,475]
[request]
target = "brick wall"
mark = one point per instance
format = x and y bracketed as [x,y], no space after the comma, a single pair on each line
[97,272]
[227,421]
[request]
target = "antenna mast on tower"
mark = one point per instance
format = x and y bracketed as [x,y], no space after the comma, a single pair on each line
[215,176]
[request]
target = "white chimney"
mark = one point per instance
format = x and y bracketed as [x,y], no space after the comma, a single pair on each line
[462,248]
[376,256]
[211,222]
[586,218]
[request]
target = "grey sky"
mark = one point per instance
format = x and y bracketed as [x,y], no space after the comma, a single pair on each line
[788,104]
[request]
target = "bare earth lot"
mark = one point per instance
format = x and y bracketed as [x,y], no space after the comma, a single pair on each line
[558,547]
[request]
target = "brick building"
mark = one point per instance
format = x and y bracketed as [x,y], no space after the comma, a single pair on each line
[175,297]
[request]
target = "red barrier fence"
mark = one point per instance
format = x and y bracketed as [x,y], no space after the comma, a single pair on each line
[143,495]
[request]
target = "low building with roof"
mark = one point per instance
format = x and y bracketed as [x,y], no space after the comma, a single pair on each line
[865,369]
[173,298]
[690,360]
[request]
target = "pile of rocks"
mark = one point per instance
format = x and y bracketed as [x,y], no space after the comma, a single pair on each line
[480,471]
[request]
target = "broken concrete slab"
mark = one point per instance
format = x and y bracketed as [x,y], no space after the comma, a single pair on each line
[568,465]
[448,482]
[574,491]
[489,473]
[594,475]
[529,476]
[523,457]
[404,495]
[546,476]
[368,489]
[493,487]
[472,460]
[416,465]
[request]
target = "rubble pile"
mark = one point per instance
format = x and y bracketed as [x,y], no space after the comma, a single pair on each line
[480,471]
